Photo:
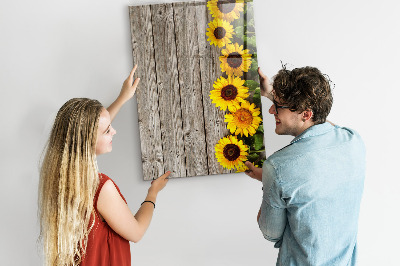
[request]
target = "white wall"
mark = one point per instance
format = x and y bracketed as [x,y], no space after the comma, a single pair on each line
[51,51]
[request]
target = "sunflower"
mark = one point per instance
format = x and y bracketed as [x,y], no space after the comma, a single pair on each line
[231,152]
[219,32]
[228,93]
[242,167]
[244,120]
[235,60]
[226,9]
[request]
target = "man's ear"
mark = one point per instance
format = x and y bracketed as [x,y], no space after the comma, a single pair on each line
[307,115]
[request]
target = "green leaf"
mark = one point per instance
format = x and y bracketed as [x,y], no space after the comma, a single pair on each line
[245,40]
[251,84]
[252,157]
[254,66]
[249,141]
[253,71]
[260,129]
[250,23]
[257,97]
[239,32]
[258,141]
[251,41]
[250,11]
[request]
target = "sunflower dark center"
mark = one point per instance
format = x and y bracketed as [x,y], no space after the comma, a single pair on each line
[226,6]
[231,152]
[219,32]
[229,92]
[234,60]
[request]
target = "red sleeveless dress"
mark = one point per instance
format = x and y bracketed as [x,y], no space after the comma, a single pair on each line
[105,247]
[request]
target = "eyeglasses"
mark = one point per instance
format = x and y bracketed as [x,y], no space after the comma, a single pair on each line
[278,106]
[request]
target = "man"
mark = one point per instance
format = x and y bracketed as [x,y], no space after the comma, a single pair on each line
[312,187]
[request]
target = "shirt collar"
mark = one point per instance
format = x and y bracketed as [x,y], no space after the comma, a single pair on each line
[314,131]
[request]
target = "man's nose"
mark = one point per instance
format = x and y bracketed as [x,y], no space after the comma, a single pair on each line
[272,110]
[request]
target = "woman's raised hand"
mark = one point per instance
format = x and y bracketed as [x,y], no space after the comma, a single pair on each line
[127,92]
[129,86]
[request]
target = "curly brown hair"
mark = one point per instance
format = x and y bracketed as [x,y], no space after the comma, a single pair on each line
[304,88]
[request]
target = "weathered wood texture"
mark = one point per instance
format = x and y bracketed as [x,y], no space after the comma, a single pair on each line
[168,89]
[191,91]
[147,94]
[179,126]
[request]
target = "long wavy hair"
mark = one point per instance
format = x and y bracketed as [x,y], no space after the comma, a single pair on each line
[68,182]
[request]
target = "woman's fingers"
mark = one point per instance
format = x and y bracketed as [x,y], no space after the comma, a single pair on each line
[133,71]
[165,176]
[129,79]
[136,82]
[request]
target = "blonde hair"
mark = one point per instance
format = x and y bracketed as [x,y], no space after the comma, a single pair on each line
[68,182]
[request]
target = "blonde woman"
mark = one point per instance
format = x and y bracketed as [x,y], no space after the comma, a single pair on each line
[84,219]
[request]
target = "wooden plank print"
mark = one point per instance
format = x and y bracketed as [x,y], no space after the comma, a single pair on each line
[168,89]
[190,85]
[179,124]
[147,95]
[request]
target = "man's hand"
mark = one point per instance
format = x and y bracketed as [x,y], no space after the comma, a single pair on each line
[253,172]
[265,87]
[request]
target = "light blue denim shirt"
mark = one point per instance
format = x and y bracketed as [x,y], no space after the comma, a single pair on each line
[311,197]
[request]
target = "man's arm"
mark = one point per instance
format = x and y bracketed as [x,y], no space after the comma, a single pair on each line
[127,92]
[272,216]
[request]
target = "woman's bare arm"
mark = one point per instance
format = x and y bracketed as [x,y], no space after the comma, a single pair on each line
[118,216]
